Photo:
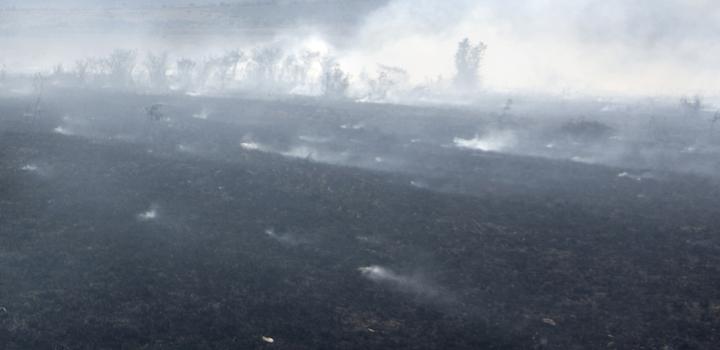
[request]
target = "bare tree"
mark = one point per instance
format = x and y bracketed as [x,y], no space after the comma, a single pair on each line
[155,116]
[264,70]
[715,119]
[335,82]
[228,65]
[507,108]
[185,69]
[295,70]
[121,64]
[3,74]
[34,111]
[389,78]
[157,66]
[60,75]
[468,58]
[692,105]
[97,70]
[154,112]
[58,70]
[222,69]
[291,71]
[81,71]
[205,70]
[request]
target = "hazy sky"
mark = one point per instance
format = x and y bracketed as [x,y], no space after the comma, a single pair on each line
[593,46]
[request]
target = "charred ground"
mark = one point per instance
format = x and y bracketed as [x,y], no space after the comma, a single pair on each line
[494,251]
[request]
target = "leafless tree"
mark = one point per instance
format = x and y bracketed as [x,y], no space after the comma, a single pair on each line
[292,71]
[58,70]
[121,64]
[507,108]
[81,71]
[154,112]
[3,74]
[715,119]
[157,66]
[468,59]
[34,111]
[296,69]
[691,105]
[228,65]
[185,70]
[264,70]
[335,81]
[222,69]
[60,75]
[389,78]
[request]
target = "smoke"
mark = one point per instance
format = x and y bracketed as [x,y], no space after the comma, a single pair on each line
[62,131]
[284,238]
[410,284]
[492,142]
[589,46]
[613,47]
[150,214]
[29,167]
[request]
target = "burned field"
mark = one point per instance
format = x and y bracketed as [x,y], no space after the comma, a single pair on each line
[309,224]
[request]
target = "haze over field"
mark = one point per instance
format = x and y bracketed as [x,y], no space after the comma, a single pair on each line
[615,47]
[359,174]
[642,75]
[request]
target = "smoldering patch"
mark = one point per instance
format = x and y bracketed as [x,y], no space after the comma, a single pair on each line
[371,240]
[317,154]
[150,214]
[30,168]
[350,126]
[190,149]
[63,131]
[419,184]
[584,160]
[202,115]
[252,146]
[286,238]
[314,139]
[637,176]
[36,169]
[405,283]
[492,142]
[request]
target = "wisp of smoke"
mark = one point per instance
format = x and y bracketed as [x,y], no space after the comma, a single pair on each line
[414,285]
[150,214]
[284,238]
[203,115]
[493,142]
[62,131]
[29,167]
[251,146]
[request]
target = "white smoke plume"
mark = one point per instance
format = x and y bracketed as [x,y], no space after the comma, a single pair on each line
[591,46]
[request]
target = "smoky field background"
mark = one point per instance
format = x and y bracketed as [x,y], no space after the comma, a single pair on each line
[359,174]
[343,53]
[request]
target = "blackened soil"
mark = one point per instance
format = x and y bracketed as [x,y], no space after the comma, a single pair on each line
[505,253]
